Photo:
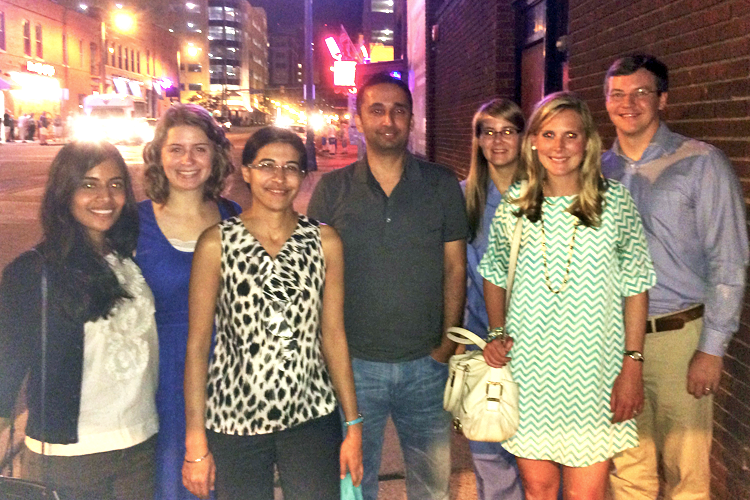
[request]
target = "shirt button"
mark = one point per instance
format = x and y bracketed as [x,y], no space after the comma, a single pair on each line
[388,219]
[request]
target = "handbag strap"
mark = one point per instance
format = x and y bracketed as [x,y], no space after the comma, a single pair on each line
[464,336]
[515,246]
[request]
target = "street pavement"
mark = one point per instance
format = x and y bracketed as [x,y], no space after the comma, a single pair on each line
[23,174]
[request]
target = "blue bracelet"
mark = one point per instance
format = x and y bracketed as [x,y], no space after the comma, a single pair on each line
[356,421]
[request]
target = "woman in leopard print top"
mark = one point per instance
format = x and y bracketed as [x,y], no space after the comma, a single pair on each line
[273,281]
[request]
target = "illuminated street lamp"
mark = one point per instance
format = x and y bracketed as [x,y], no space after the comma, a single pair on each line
[124,22]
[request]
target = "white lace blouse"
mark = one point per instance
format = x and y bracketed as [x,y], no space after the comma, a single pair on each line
[120,373]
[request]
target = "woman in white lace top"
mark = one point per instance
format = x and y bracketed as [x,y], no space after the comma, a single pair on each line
[78,317]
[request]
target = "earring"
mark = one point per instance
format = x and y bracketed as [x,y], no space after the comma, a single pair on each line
[533,148]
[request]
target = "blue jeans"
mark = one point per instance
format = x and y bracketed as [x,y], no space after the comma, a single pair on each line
[411,393]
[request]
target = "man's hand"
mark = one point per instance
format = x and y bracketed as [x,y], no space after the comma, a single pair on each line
[443,352]
[704,373]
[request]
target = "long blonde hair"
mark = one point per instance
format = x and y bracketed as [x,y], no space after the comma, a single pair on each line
[588,204]
[476,182]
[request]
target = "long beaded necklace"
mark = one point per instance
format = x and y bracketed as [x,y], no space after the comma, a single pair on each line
[570,258]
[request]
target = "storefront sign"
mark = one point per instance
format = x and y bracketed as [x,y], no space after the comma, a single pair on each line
[39,68]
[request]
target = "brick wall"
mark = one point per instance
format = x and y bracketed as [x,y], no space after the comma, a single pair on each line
[706,44]
[472,61]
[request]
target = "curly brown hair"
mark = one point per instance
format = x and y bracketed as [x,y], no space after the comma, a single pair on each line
[156,183]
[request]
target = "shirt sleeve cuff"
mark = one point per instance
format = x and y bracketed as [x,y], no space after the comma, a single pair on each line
[714,342]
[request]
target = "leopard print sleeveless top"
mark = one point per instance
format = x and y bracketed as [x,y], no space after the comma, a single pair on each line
[267,372]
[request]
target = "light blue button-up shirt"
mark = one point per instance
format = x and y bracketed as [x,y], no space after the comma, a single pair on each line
[475,314]
[694,217]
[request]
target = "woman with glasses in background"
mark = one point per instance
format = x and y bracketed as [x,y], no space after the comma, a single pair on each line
[497,128]
[272,280]
[187,164]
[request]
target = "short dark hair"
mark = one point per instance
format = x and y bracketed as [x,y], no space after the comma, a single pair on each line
[629,64]
[156,183]
[377,79]
[270,135]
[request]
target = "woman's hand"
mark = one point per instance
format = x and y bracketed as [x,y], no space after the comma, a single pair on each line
[627,393]
[351,454]
[496,352]
[198,477]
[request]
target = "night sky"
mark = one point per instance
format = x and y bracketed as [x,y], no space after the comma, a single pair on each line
[333,12]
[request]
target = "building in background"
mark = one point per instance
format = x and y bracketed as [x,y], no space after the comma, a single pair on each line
[53,56]
[285,58]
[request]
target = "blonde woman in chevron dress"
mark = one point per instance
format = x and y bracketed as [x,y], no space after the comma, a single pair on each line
[579,306]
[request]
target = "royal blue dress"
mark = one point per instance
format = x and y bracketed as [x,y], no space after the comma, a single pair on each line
[167,272]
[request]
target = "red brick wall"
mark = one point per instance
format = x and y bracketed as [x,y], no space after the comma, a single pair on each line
[472,62]
[706,44]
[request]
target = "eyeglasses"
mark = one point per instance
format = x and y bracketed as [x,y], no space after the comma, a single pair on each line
[270,167]
[637,95]
[505,133]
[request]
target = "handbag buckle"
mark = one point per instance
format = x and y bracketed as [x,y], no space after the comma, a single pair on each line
[457,426]
[487,390]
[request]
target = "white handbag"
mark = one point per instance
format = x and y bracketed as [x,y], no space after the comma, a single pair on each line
[483,400]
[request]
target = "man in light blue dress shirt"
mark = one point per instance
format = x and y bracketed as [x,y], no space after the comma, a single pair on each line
[694,217]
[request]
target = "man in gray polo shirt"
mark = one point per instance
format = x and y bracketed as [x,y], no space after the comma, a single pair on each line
[403,225]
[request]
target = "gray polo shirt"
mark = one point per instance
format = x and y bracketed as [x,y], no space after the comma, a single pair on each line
[393,252]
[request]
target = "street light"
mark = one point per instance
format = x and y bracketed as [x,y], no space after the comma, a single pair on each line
[124,23]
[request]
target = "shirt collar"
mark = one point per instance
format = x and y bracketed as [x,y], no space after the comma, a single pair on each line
[664,142]
[412,171]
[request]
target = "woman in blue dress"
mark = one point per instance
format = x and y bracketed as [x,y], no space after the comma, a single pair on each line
[495,147]
[187,164]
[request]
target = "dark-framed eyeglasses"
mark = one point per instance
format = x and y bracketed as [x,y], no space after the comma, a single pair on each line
[270,167]
[505,133]
[618,96]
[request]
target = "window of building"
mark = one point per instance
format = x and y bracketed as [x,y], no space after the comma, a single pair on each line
[384,36]
[132,60]
[2,30]
[38,32]
[148,62]
[230,14]
[80,53]
[195,68]
[93,66]
[65,49]
[215,14]
[126,60]
[215,32]
[197,87]
[119,56]
[114,56]
[27,37]
[138,60]
[182,86]
[385,6]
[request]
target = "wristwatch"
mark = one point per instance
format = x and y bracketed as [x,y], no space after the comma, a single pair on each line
[636,355]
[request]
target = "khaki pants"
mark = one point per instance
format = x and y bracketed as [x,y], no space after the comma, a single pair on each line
[674,426]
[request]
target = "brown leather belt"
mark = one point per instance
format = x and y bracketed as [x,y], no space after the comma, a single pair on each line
[674,321]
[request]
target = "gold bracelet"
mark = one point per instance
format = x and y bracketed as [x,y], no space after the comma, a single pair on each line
[198,460]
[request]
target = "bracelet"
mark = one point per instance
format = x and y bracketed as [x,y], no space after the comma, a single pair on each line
[356,421]
[496,333]
[198,460]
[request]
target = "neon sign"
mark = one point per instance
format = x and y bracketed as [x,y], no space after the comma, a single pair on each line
[40,69]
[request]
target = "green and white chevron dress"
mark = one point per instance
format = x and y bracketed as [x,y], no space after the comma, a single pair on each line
[568,347]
